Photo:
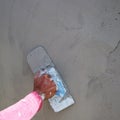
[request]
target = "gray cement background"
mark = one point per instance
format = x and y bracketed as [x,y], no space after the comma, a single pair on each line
[83,39]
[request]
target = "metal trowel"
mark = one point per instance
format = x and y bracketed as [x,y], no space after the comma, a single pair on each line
[39,60]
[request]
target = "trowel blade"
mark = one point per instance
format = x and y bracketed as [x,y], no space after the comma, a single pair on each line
[39,60]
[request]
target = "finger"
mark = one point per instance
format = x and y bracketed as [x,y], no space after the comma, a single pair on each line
[37,75]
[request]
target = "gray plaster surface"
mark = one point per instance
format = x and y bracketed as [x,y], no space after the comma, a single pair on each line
[83,39]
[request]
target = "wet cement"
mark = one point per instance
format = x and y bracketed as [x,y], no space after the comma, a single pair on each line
[81,36]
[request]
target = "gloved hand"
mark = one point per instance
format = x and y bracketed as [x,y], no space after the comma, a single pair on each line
[44,85]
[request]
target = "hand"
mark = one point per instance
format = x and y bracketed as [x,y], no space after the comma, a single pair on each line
[43,84]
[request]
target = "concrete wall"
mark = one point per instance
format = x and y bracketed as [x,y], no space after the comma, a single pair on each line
[81,36]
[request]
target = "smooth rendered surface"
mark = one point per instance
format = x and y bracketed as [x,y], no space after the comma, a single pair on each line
[81,36]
